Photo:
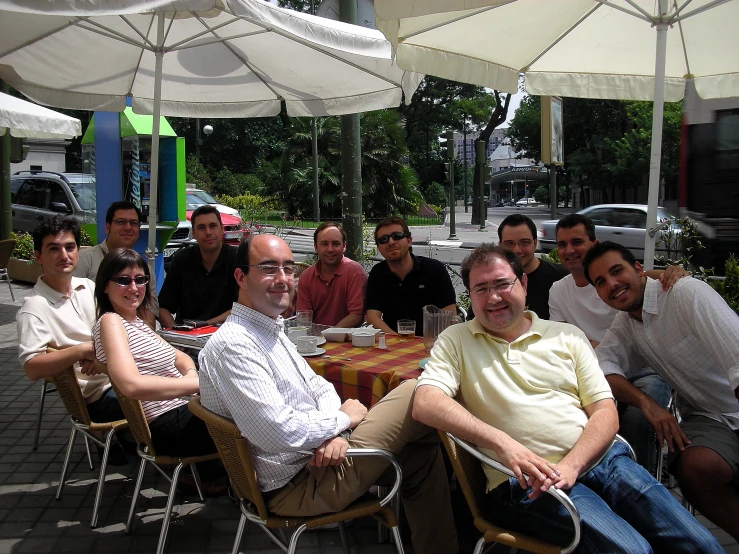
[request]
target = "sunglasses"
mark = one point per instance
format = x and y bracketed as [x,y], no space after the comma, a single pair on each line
[125,280]
[396,236]
[288,269]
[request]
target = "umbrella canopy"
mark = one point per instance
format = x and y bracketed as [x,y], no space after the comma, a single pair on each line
[27,120]
[194,58]
[611,49]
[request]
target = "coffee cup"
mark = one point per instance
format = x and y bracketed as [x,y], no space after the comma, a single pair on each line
[294,332]
[306,345]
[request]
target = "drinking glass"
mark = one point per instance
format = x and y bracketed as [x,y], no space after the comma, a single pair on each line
[304,318]
[406,329]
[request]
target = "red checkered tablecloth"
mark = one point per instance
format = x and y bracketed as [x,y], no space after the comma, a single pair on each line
[368,374]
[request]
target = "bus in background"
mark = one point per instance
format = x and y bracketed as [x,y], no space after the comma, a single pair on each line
[708,185]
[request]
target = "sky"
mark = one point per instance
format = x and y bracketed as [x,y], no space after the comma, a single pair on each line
[512,107]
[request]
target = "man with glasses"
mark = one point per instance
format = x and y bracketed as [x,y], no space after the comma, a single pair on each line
[200,283]
[517,233]
[122,222]
[529,393]
[252,373]
[400,286]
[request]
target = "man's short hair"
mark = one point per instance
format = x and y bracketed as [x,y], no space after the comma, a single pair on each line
[392,221]
[514,220]
[484,254]
[242,255]
[53,226]
[205,210]
[327,225]
[121,205]
[601,249]
[113,263]
[573,220]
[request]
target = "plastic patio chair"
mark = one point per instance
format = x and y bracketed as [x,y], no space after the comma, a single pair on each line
[69,391]
[145,448]
[236,456]
[6,250]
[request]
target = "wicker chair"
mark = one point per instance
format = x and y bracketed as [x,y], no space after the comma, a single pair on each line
[6,250]
[69,391]
[142,435]
[302,266]
[236,456]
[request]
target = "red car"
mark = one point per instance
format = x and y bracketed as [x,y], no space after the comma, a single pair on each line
[232,228]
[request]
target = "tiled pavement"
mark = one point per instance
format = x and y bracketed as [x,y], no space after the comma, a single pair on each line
[31,520]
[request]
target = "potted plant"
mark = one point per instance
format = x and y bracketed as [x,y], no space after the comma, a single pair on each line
[22,265]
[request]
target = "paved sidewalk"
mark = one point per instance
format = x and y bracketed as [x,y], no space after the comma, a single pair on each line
[31,520]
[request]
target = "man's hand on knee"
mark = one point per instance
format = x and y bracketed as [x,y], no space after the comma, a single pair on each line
[330,453]
[519,459]
[355,410]
[666,426]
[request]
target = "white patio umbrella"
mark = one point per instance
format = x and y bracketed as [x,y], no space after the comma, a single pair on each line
[28,120]
[194,58]
[614,49]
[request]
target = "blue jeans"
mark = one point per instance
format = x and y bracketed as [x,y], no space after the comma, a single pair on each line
[635,428]
[622,509]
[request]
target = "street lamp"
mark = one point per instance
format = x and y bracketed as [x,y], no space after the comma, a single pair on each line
[207,131]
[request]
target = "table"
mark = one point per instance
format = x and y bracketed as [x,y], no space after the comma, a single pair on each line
[368,374]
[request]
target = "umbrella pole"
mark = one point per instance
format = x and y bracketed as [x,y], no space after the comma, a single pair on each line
[654,163]
[151,251]
[6,218]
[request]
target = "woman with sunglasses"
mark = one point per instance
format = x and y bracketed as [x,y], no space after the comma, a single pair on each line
[142,364]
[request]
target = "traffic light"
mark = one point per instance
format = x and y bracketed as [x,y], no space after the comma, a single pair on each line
[446,143]
[18,150]
[448,171]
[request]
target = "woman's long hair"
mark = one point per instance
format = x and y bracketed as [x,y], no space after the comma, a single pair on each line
[115,262]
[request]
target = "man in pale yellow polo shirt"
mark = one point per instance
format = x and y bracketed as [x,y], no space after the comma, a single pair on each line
[529,393]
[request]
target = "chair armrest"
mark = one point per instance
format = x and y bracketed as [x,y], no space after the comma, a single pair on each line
[380,453]
[561,497]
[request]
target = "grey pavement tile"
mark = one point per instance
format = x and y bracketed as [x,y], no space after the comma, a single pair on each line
[9,500]
[23,515]
[8,546]
[45,545]
[13,530]
[76,544]
[115,543]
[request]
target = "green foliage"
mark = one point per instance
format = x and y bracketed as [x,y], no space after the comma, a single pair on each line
[551,256]
[541,194]
[23,246]
[196,173]
[369,248]
[85,239]
[681,241]
[728,287]
[463,299]
[252,208]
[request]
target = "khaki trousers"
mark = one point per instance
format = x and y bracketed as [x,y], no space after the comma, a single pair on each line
[425,489]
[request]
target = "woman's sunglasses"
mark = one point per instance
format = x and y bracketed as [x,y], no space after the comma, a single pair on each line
[125,280]
[396,236]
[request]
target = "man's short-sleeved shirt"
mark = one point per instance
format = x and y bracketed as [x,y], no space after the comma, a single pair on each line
[192,292]
[427,283]
[539,282]
[580,306]
[534,388]
[331,301]
[49,319]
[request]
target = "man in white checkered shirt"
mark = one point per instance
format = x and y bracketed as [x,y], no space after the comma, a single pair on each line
[689,336]
[252,373]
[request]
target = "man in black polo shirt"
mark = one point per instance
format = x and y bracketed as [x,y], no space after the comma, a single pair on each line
[518,234]
[200,282]
[403,284]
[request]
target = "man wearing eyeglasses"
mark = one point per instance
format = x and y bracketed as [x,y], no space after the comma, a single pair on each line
[252,373]
[400,286]
[122,222]
[517,233]
[529,393]
[200,283]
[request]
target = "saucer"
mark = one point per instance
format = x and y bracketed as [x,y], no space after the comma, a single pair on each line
[316,352]
[422,363]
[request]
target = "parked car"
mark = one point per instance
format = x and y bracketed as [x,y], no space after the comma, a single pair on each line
[233,230]
[528,201]
[195,194]
[39,195]
[622,223]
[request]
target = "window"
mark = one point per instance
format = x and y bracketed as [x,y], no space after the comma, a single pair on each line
[601,216]
[56,194]
[31,193]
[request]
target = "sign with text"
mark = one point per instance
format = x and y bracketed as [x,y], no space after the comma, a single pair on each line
[552,132]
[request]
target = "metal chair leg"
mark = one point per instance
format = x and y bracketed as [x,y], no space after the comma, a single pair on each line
[136,492]
[59,488]
[292,547]
[399,542]
[344,538]
[196,478]
[101,477]
[168,510]
[89,454]
[40,414]
[239,534]
[7,277]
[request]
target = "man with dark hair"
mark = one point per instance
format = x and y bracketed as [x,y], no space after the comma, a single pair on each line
[518,233]
[252,373]
[334,286]
[200,282]
[688,335]
[122,222]
[400,286]
[529,393]
[59,314]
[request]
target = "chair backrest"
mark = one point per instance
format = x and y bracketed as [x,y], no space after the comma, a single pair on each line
[6,250]
[302,266]
[235,454]
[470,475]
[134,414]
[69,390]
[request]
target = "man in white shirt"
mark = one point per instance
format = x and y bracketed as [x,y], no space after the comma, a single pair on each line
[689,336]
[252,373]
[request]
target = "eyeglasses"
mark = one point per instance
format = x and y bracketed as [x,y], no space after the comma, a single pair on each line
[523,243]
[125,280]
[122,222]
[396,236]
[288,269]
[501,287]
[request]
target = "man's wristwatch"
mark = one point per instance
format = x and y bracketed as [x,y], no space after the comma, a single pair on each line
[345,434]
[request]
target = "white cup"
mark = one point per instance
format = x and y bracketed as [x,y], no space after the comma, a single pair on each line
[307,345]
[294,332]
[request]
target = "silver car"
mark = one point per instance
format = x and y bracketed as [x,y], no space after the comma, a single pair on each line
[622,223]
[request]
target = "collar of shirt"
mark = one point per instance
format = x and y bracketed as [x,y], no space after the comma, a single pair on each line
[258,322]
[538,328]
[54,296]
[337,271]
[385,268]
[104,246]
[651,296]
